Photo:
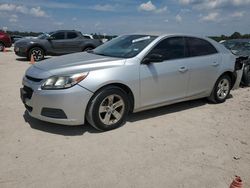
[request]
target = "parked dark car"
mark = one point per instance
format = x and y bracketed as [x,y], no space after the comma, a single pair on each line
[5,41]
[15,38]
[54,43]
[240,48]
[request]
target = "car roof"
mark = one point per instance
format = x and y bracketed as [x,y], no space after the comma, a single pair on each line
[65,31]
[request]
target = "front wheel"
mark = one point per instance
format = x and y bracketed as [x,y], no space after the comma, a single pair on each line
[221,89]
[37,53]
[88,48]
[1,46]
[108,109]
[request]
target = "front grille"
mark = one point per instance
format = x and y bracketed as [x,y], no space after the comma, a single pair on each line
[34,79]
[28,91]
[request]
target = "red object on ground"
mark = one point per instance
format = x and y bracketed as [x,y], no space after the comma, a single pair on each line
[32,61]
[5,40]
[237,183]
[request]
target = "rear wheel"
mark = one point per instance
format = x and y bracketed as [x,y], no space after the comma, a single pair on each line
[221,89]
[1,46]
[88,48]
[108,109]
[37,53]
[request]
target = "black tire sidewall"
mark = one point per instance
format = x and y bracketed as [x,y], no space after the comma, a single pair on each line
[216,98]
[1,44]
[36,48]
[246,77]
[96,102]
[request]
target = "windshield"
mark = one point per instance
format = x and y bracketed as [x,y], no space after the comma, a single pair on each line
[126,46]
[44,35]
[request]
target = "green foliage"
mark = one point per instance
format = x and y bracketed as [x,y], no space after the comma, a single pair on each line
[235,35]
[24,34]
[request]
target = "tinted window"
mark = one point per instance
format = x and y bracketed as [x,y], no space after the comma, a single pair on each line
[170,48]
[58,36]
[71,35]
[200,47]
[87,37]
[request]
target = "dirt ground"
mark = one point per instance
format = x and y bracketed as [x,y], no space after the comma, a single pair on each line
[188,145]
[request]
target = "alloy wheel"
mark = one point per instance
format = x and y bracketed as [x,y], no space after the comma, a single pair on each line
[111,109]
[37,54]
[223,89]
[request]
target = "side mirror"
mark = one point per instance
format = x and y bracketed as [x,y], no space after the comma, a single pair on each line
[152,58]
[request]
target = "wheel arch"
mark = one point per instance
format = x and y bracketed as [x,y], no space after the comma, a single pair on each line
[87,46]
[232,75]
[123,87]
[34,46]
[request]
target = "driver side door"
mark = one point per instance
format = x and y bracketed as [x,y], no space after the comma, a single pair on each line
[166,81]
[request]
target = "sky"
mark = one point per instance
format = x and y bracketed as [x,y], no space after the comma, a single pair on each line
[115,17]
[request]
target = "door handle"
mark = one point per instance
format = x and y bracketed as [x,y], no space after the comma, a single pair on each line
[215,64]
[183,69]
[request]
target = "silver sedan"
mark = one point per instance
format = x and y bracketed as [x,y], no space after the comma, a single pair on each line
[130,73]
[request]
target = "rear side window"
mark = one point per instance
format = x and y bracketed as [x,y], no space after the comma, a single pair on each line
[58,36]
[199,47]
[71,35]
[170,48]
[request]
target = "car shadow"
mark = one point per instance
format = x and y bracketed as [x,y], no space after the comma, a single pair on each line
[24,59]
[21,59]
[133,117]
[169,109]
[58,129]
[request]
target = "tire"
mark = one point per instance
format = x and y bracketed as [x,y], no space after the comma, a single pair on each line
[37,52]
[88,48]
[246,76]
[221,89]
[102,113]
[1,47]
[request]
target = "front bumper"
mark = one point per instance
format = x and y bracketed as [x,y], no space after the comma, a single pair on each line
[21,51]
[71,102]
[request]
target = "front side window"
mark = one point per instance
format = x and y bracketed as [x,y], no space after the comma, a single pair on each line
[71,35]
[199,47]
[58,36]
[170,48]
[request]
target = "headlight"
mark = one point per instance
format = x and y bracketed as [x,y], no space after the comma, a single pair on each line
[63,82]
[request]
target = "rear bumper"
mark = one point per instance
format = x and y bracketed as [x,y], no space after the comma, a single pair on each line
[239,74]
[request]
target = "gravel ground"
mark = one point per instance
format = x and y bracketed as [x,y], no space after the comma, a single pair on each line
[188,145]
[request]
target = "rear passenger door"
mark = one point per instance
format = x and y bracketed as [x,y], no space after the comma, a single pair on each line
[204,62]
[73,42]
[57,42]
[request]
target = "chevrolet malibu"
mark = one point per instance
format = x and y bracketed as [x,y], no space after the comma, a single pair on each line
[130,73]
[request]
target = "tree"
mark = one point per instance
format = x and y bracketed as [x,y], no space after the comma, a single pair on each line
[235,35]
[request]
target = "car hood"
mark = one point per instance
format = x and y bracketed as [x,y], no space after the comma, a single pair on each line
[25,41]
[72,63]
